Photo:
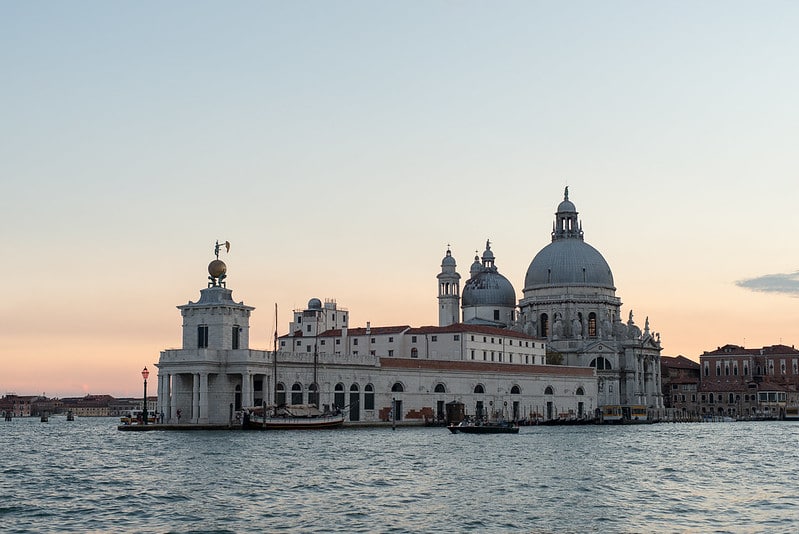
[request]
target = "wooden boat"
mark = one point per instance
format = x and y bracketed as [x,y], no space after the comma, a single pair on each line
[135,416]
[481,427]
[70,416]
[291,417]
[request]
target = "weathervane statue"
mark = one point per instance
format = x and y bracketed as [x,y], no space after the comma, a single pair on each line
[217,268]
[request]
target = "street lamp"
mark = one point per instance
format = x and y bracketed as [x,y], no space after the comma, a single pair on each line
[144,374]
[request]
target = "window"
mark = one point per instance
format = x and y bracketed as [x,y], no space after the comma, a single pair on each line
[413,339]
[338,341]
[397,388]
[280,394]
[338,395]
[433,338]
[544,322]
[473,354]
[373,340]
[235,337]
[484,339]
[307,348]
[391,352]
[308,328]
[296,393]
[391,340]
[440,388]
[496,315]
[580,391]
[414,352]
[472,338]
[202,336]
[485,356]
[299,342]
[479,389]
[355,341]
[515,390]
[456,337]
[549,391]
[283,343]
[592,324]
[313,394]
[369,397]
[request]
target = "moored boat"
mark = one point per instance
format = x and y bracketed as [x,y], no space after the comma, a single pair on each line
[291,417]
[482,427]
[135,416]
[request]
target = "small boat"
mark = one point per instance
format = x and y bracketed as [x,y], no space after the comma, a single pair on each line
[44,418]
[70,416]
[291,417]
[135,416]
[482,427]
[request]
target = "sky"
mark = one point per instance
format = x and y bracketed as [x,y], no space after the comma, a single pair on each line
[340,147]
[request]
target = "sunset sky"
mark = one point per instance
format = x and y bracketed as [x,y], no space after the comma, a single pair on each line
[340,146]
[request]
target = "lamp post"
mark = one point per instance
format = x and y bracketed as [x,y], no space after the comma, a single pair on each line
[144,374]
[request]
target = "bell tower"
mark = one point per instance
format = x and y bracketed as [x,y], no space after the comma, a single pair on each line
[449,295]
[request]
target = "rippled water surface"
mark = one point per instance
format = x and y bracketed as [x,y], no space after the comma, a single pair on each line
[86,476]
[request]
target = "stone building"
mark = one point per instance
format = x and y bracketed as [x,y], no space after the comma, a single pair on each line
[570,300]
[749,383]
[680,379]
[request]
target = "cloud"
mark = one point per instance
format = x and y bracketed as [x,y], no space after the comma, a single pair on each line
[787,284]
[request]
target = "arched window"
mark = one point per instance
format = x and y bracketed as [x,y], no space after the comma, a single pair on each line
[313,395]
[414,352]
[368,397]
[746,370]
[338,395]
[397,388]
[601,364]
[549,391]
[544,325]
[280,394]
[731,398]
[580,391]
[515,390]
[479,388]
[296,393]
[440,388]
[592,324]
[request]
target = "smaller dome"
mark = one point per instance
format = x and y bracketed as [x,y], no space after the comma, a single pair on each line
[217,268]
[314,304]
[488,288]
[448,260]
[567,206]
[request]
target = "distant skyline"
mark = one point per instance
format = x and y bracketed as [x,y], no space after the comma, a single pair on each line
[341,147]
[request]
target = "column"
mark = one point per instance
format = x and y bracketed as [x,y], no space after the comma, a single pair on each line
[195,397]
[246,389]
[173,404]
[166,405]
[203,401]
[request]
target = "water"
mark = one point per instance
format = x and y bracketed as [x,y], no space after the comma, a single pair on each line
[85,476]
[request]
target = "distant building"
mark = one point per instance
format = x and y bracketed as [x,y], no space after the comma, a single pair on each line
[680,377]
[749,383]
[16,405]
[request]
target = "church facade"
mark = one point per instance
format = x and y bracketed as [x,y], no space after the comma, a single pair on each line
[489,351]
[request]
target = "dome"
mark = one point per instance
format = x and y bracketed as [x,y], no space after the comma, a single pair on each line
[488,288]
[314,304]
[448,260]
[567,206]
[568,262]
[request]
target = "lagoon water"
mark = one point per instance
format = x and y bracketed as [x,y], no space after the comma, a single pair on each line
[86,476]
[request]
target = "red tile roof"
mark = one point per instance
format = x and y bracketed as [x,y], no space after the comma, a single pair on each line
[485,367]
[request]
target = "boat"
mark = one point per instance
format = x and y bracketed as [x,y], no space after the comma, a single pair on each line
[44,418]
[291,417]
[70,416]
[792,412]
[135,416]
[482,427]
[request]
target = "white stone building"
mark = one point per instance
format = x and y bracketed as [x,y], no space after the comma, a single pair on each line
[487,352]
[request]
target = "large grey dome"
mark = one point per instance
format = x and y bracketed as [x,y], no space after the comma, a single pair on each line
[488,288]
[568,262]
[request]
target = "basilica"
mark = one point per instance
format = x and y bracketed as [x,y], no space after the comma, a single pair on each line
[561,352]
